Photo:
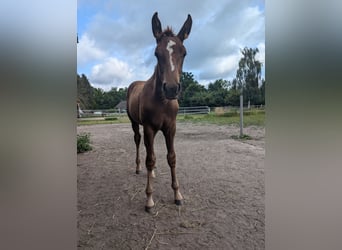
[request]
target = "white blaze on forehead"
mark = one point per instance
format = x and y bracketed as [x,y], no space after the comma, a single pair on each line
[170,49]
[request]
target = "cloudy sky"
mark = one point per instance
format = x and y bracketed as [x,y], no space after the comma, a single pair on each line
[116,44]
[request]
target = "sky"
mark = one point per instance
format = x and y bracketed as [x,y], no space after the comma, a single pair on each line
[116,44]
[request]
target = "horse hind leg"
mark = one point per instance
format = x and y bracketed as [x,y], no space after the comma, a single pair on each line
[137,139]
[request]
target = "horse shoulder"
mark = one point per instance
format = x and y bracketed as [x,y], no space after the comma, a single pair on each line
[133,96]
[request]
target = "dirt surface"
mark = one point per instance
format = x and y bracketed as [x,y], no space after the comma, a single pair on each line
[221,180]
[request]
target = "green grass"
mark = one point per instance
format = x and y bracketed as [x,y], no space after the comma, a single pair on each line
[111,118]
[251,117]
[105,120]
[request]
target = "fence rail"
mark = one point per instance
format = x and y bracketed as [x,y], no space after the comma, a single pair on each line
[226,109]
[194,110]
[181,111]
[102,112]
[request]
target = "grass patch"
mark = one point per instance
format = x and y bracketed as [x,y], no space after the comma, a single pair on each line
[251,117]
[229,114]
[231,118]
[111,118]
[105,120]
[188,117]
[83,142]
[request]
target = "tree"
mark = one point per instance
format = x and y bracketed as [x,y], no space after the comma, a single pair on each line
[96,98]
[262,92]
[187,80]
[98,95]
[218,85]
[84,92]
[114,96]
[219,92]
[248,75]
[108,100]
[233,97]
[192,94]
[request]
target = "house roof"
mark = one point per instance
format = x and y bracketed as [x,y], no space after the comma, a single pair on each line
[121,105]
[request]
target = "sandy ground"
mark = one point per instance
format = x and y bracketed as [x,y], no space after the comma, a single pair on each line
[221,179]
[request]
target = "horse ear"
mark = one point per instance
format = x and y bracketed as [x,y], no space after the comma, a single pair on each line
[185,30]
[156,26]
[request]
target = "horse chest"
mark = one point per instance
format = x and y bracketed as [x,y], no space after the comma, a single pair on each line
[157,115]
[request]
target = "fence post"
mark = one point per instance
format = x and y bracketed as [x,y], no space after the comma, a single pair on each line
[241,115]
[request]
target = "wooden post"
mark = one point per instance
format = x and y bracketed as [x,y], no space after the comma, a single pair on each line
[241,115]
[78,110]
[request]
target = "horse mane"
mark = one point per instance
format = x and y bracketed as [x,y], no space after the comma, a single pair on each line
[168,32]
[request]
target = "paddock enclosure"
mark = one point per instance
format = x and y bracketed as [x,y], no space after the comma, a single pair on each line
[221,180]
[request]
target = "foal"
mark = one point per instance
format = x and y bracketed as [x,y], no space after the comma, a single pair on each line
[154,105]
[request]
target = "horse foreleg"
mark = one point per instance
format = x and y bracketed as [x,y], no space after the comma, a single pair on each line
[149,135]
[171,159]
[137,138]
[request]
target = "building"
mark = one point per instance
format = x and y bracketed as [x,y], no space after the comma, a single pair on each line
[121,107]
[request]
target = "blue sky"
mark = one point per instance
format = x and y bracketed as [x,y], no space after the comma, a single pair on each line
[116,44]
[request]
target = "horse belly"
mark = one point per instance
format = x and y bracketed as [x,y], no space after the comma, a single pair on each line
[133,94]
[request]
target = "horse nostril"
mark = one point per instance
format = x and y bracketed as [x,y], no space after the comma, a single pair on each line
[171,90]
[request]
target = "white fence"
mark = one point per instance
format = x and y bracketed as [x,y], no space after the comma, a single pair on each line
[102,112]
[194,110]
[182,111]
[237,108]
[116,112]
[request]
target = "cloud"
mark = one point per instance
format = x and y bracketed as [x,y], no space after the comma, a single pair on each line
[215,46]
[261,55]
[111,73]
[221,66]
[87,50]
[124,32]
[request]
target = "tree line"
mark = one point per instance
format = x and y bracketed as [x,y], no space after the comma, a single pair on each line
[96,98]
[218,93]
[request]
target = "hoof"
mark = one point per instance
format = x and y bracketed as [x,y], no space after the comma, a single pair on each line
[178,202]
[137,171]
[148,209]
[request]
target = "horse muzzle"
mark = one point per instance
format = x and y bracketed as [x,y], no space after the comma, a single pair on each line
[171,91]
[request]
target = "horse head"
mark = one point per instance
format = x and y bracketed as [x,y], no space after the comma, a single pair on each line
[170,53]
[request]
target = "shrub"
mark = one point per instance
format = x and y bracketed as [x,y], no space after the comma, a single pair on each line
[83,142]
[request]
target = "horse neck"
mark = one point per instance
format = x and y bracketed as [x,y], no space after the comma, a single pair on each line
[157,84]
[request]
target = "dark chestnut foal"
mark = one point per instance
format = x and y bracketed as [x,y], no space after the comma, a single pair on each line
[154,105]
